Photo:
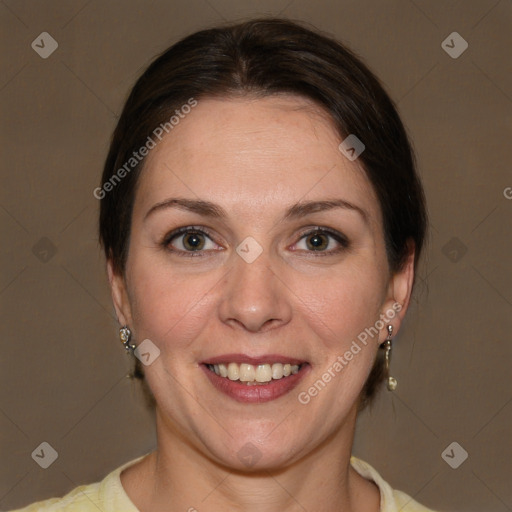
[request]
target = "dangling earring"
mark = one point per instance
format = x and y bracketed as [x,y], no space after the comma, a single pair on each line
[125,336]
[388,345]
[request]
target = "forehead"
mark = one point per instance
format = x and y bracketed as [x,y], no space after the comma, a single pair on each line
[248,153]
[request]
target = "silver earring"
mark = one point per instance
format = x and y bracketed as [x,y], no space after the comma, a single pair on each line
[388,345]
[125,336]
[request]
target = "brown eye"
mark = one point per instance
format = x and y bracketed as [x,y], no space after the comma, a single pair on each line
[189,240]
[317,242]
[193,241]
[323,241]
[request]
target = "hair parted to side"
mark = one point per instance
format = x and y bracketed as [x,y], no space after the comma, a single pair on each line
[258,58]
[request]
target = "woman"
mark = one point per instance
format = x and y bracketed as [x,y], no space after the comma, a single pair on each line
[262,220]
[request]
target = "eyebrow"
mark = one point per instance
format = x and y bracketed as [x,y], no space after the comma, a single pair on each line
[296,211]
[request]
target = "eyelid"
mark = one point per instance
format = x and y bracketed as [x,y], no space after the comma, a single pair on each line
[340,238]
[324,230]
[176,233]
[186,229]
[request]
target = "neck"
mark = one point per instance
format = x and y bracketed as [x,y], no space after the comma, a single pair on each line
[178,477]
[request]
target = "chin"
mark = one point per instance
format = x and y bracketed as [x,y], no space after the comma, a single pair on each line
[252,458]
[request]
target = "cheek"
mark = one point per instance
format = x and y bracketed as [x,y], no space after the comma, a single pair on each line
[343,306]
[168,308]
[342,317]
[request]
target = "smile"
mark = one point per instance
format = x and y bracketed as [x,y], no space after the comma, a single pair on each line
[254,374]
[252,380]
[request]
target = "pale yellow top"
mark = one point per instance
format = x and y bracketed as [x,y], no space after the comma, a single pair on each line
[110,496]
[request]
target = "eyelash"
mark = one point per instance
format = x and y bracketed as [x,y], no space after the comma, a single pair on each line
[170,237]
[337,236]
[183,231]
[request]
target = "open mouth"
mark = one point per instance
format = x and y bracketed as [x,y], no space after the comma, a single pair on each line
[255,380]
[253,375]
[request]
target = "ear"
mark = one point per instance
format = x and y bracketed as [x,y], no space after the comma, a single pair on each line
[119,295]
[399,294]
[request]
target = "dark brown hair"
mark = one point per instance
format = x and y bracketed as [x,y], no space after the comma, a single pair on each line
[262,57]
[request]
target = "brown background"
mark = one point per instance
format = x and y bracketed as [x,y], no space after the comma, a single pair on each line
[62,367]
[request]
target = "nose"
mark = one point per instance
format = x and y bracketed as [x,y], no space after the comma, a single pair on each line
[254,298]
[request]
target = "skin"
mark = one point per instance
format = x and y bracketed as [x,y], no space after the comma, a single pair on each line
[255,158]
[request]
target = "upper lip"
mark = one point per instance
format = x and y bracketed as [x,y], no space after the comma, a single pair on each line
[254,360]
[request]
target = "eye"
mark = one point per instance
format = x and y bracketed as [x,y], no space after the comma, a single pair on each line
[322,240]
[189,239]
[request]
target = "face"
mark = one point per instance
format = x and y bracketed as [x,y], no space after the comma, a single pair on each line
[257,251]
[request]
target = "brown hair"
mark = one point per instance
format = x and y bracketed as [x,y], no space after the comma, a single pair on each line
[262,57]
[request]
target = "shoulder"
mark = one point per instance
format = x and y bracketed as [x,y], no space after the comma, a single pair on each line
[84,498]
[107,495]
[391,500]
[405,503]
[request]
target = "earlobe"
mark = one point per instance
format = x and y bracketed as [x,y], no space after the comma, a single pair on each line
[119,295]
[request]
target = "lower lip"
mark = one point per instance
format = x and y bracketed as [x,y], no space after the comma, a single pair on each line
[257,393]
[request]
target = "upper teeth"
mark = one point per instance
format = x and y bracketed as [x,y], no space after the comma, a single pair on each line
[251,373]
